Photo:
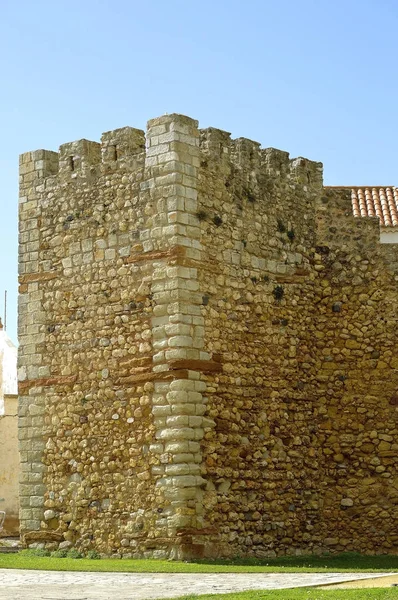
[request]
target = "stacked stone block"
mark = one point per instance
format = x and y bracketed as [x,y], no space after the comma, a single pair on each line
[172,162]
[35,168]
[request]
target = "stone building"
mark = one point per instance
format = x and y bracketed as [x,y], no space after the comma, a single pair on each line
[9,459]
[207,351]
[8,367]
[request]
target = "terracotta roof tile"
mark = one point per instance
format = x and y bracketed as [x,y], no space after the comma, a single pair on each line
[380,202]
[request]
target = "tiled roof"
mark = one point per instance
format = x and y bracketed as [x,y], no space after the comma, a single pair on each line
[381,202]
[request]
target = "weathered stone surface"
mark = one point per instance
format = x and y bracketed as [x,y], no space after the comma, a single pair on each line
[42,536]
[207,342]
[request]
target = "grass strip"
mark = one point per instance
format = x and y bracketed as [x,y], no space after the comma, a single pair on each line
[302,594]
[310,564]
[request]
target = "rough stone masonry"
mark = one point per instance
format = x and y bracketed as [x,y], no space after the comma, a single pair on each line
[208,361]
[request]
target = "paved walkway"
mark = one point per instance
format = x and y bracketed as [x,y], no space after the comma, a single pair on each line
[57,585]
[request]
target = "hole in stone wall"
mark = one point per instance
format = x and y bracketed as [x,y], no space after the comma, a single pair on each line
[71,163]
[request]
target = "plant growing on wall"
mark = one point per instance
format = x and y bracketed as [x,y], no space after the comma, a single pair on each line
[278,292]
[281,226]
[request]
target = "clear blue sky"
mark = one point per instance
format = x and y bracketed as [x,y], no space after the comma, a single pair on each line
[316,78]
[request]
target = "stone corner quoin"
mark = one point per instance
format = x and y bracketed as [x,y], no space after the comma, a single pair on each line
[206,360]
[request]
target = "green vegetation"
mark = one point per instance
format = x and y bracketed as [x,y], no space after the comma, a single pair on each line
[29,559]
[304,594]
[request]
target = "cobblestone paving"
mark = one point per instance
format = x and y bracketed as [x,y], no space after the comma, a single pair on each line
[56,585]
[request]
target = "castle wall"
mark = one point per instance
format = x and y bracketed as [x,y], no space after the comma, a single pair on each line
[357,379]
[300,305]
[85,338]
[109,442]
[206,351]
[261,457]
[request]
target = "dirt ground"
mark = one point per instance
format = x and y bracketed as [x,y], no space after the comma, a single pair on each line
[388,581]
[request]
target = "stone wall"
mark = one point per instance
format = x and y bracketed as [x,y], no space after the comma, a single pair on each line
[207,351]
[301,306]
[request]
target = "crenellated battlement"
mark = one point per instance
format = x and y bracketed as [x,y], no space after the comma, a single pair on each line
[82,158]
[78,158]
[206,359]
[120,148]
[120,144]
[248,154]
